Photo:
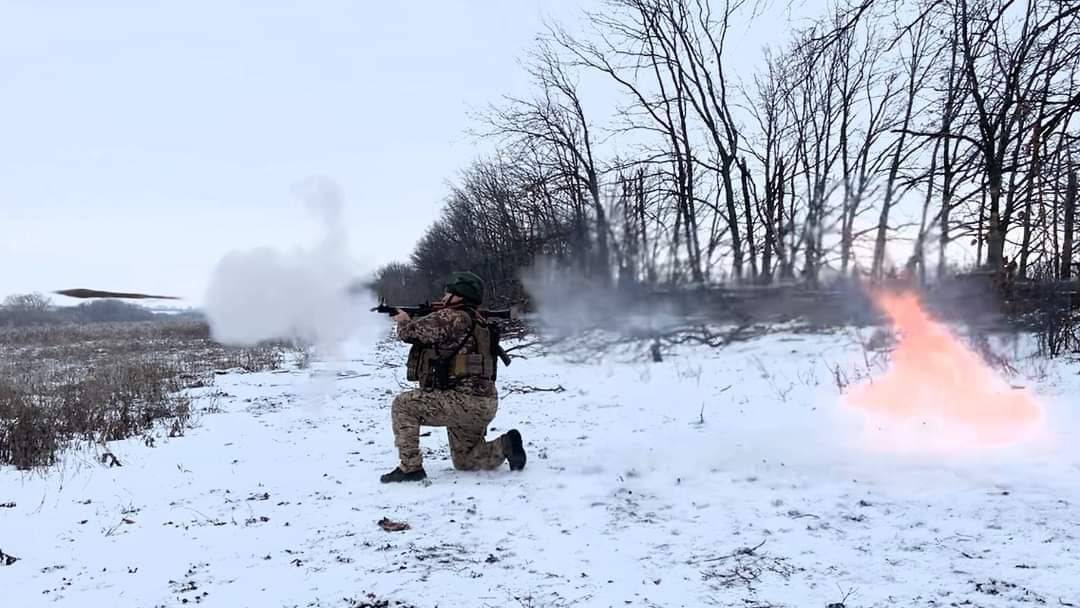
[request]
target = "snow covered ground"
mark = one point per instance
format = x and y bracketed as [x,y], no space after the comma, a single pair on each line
[730,477]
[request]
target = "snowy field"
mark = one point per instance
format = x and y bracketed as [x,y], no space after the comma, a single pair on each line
[727,477]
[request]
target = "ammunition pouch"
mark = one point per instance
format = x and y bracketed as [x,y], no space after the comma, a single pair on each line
[418,368]
[426,367]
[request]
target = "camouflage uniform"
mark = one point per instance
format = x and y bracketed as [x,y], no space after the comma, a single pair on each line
[465,410]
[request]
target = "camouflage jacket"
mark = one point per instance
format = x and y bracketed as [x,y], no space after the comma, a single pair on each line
[444,329]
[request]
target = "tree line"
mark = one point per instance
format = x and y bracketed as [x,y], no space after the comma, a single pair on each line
[20,310]
[949,125]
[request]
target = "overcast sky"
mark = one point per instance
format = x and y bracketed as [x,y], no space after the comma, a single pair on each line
[140,143]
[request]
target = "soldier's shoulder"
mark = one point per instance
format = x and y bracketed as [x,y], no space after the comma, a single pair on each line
[453,314]
[440,317]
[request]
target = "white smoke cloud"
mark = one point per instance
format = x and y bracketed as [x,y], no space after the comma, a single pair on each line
[568,303]
[302,294]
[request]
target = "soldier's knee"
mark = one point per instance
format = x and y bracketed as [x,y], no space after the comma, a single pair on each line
[461,462]
[400,403]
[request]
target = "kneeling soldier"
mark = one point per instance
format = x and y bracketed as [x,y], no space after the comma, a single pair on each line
[452,357]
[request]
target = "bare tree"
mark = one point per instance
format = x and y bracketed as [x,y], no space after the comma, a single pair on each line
[766,105]
[554,125]
[965,107]
[865,91]
[25,308]
[917,67]
[669,56]
[27,302]
[815,105]
[1007,88]
[1001,75]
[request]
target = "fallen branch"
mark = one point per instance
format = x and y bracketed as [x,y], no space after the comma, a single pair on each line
[739,551]
[534,389]
[704,336]
[351,376]
[747,569]
[521,346]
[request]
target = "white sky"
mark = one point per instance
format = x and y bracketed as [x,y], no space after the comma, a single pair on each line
[139,144]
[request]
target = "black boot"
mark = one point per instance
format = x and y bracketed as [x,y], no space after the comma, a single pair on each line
[399,475]
[514,449]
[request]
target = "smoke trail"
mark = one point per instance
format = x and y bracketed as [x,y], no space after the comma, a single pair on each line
[568,303]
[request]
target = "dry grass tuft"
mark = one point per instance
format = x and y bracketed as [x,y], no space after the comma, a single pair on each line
[62,385]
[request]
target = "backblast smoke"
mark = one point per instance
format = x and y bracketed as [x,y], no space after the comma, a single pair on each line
[269,294]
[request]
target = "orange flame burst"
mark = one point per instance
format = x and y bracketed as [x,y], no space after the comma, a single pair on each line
[937,393]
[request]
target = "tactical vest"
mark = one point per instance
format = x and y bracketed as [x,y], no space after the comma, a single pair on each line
[473,357]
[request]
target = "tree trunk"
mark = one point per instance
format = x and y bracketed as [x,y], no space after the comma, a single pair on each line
[781,245]
[1070,222]
[771,243]
[1029,204]
[890,192]
[919,255]
[649,260]
[979,232]
[947,161]
[995,230]
[943,237]
[751,244]
[733,220]
[602,259]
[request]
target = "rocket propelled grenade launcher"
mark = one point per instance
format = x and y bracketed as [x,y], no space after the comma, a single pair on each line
[421,310]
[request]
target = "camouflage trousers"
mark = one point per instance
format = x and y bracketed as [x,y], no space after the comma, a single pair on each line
[466,418]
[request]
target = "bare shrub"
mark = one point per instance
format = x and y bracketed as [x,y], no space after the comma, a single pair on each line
[746,567]
[1057,324]
[62,385]
[27,434]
